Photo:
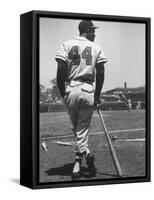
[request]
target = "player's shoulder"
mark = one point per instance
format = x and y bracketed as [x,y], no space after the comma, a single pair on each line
[96,46]
[68,42]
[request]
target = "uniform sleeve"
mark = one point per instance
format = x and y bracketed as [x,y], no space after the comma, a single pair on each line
[62,53]
[101,56]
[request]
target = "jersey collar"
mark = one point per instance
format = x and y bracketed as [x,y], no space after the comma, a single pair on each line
[81,38]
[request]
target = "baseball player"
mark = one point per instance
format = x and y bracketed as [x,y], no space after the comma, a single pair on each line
[129,105]
[81,62]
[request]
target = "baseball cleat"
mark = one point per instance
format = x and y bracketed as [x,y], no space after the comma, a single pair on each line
[91,166]
[44,146]
[76,175]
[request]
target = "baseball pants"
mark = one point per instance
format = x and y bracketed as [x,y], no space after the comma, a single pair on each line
[79,101]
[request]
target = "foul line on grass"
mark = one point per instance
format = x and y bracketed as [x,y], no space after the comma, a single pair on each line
[117,140]
[96,133]
[131,140]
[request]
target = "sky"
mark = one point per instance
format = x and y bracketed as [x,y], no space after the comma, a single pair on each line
[122,43]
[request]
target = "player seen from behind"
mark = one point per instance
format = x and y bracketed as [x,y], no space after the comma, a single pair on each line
[81,63]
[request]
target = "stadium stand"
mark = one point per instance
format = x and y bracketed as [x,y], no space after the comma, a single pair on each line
[115,99]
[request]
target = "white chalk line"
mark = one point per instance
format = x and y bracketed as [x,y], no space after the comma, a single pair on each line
[64,143]
[117,140]
[96,133]
[131,140]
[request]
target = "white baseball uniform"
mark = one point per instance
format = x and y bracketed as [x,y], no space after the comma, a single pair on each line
[81,56]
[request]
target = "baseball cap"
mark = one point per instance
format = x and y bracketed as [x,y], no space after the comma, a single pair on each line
[86,25]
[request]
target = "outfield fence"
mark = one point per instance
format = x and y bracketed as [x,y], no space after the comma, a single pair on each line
[59,107]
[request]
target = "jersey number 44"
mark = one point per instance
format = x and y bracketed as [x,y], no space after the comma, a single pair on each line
[76,57]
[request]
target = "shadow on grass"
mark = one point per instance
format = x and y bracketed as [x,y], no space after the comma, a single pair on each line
[63,170]
[66,170]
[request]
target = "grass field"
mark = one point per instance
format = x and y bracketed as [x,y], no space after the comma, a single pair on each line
[57,163]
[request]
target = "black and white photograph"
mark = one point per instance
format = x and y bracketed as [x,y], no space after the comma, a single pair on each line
[85,99]
[76,100]
[92,100]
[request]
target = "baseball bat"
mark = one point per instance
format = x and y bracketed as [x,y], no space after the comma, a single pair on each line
[113,153]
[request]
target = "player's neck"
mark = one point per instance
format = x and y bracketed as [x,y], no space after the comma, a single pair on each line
[84,35]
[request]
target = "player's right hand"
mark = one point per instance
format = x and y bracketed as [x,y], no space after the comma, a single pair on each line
[62,94]
[97,103]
